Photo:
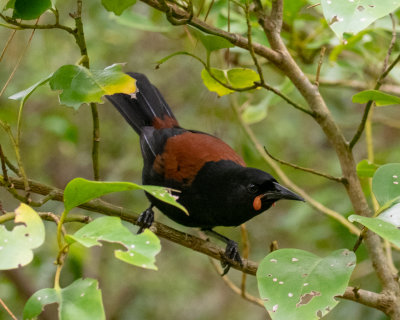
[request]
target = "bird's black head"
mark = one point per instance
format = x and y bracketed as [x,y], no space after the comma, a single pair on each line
[259,190]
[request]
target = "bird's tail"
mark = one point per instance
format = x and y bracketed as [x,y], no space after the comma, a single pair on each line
[146,107]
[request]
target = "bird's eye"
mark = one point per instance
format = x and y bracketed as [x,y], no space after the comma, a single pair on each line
[252,188]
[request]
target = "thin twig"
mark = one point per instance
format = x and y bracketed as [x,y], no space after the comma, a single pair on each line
[321,60]
[21,170]
[18,61]
[81,42]
[287,99]
[282,176]
[8,310]
[2,211]
[49,216]
[354,84]
[11,166]
[392,43]
[250,42]
[309,170]
[235,288]
[3,164]
[386,70]
[209,10]
[38,26]
[10,38]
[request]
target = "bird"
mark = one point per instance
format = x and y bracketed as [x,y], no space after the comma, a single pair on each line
[211,180]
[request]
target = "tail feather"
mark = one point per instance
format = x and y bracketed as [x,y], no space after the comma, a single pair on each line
[146,107]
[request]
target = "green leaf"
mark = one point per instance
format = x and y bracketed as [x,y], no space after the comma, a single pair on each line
[79,191]
[80,85]
[25,94]
[382,227]
[80,300]
[237,78]
[16,245]
[299,285]
[141,249]
[210,41]
[30,9]
[366,169]
[353,16]
[380,98]
[386,183]
[117,6]
[140,22]
[212,84]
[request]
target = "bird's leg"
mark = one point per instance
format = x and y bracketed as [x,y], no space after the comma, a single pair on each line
[231,251]
[145,219]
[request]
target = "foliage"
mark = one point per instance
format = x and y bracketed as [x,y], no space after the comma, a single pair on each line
[297,284]
[258,82]
[16,245]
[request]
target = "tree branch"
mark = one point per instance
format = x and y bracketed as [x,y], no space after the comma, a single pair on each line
[81,42]
[161,230]
[178,237]
[234,38]
[38,26]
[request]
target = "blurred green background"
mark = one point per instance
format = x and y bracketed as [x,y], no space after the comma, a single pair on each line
[56,147]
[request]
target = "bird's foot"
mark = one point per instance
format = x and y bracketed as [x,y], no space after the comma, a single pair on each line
[231,254]
[145,219]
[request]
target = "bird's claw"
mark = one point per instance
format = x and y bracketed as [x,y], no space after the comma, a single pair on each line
[231,254]
[145,219]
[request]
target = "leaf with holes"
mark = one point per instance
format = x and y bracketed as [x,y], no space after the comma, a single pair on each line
[380,98]
[237,78]
[386,184]
[366,169]
[16,245]
[80,300]
[79,190]
[140,249]
[352,16]
[32,9]
[80,85]
[210,41]
[117,6]
[298,285]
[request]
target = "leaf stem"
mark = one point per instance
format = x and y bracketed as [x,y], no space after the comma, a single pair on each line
[57,277]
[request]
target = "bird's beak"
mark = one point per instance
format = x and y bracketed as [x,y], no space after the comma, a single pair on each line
[281,192]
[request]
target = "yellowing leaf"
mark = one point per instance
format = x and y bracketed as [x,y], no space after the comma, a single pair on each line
[80,85]
[16,245]
[236,78]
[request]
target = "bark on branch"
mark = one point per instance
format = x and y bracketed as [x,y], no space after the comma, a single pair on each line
[381,301]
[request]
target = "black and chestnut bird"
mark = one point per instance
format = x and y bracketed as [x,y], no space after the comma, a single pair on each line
[215,185]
